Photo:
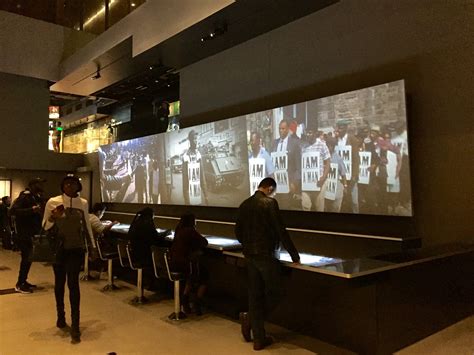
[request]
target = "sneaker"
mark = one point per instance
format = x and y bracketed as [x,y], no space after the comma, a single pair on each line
[75,336]
[61,323]
[30,285]
[23,288]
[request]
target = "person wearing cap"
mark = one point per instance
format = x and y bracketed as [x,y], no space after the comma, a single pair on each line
[27,210]
[69,214]
[194,181]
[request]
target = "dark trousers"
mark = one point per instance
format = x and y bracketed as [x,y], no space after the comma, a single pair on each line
[68,267]
[25,245]
[6,235]
[264,291]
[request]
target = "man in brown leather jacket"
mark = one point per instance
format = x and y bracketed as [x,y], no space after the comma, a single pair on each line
[260,229]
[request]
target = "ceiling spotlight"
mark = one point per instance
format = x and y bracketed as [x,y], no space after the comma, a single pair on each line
[151,67]
[133,4]
[218,31]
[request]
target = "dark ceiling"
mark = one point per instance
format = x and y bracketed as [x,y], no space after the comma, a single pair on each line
[154,74]
[235,24]
[154,81]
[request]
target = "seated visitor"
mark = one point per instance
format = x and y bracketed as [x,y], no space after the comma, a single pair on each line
[187,246]
[98,226]
[143,235]
[100,229]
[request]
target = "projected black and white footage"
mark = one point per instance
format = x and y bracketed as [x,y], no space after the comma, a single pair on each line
[344,153]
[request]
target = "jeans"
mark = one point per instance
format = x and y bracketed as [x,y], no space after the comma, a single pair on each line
[264,291]
[24,244]
[68,267]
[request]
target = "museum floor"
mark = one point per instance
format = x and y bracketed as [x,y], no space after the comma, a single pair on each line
[109,324]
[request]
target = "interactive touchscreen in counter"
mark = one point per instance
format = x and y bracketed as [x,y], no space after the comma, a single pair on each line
[123,228]
[310,259]
[218,243]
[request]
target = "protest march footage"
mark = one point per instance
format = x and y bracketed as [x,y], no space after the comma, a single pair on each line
[346,153]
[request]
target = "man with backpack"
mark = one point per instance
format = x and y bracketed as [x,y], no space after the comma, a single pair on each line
[67,216]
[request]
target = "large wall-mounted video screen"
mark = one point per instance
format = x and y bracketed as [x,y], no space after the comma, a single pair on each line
[346,153]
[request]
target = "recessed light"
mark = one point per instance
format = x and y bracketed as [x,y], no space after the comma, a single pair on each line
[133,4]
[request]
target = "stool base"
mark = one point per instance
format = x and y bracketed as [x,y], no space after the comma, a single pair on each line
[139,300]
[110,288]
[86,277]
[177,316]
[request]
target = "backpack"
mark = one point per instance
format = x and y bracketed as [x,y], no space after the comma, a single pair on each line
[71,230]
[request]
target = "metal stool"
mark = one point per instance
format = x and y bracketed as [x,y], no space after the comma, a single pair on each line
[140,298]
[161,269]
[85,276]
[126,261]
[109,256]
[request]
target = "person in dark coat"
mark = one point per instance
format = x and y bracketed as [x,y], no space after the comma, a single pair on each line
[290,145]
[143,235]
[187,245]
[28,212]
[259,227]
[5,222]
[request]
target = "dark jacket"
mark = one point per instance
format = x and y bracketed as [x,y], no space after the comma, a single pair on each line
[143,235]
[187,243]
[260,229]
[4,217]
[27,221]
[294,159]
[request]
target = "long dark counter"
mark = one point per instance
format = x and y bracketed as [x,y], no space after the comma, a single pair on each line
[214,242]
[370,305]
[339,267]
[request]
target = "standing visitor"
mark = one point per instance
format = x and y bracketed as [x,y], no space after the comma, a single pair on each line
[68,214]
[260,229]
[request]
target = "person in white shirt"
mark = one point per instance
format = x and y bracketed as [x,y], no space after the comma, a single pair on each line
[68,213]
[98,226]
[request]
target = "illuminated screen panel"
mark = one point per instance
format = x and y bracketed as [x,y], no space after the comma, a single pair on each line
[346,153]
